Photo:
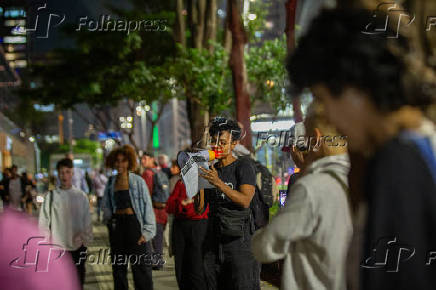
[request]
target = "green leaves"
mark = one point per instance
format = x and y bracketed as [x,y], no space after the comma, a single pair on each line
[266,72]
[207,75]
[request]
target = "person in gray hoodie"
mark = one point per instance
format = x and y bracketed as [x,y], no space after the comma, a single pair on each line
[312,232]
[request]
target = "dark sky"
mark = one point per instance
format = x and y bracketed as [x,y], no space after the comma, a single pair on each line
[73,10]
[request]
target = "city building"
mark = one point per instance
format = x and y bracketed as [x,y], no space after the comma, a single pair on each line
[13,35]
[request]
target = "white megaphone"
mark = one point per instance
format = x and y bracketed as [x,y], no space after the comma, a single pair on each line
[189,164]
[201,156]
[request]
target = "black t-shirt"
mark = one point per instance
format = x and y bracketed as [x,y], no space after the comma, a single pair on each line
[239,172]
[402,206]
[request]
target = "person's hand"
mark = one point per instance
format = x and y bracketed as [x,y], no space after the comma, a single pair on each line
[211,175]
[187,201]
[141,240]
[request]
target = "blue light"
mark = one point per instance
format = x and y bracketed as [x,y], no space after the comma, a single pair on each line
[15,13]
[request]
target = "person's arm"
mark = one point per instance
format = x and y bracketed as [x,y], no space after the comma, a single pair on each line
[84,185]
[44,214]
[87,235]
[149,219]
[106,202]
[171,205]
[199,201]
[246,179]
[293,222]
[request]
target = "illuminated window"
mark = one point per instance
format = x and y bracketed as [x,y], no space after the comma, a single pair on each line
[14,56]
[14,39]
[15,13]
[20,63]
[15,22]
[15,47]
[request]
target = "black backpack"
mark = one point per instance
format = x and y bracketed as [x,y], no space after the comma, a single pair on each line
[161,186]
[263,196]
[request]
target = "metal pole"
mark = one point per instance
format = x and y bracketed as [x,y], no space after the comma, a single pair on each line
[144,128]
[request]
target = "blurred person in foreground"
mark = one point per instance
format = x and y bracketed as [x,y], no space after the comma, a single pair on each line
[188,233]
[312,232]
[375,90]
[65,216]
[28,261]
[228,261]
[128,212]
[99,182]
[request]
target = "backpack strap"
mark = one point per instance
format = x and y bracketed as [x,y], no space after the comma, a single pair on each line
[339,180]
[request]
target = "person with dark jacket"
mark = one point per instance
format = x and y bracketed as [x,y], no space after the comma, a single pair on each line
[376,90]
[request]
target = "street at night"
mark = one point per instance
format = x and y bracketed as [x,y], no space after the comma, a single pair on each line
[218,144]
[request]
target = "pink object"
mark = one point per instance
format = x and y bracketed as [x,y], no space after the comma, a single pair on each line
[28,261]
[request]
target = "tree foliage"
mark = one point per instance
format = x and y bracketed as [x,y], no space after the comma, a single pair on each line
[267,73]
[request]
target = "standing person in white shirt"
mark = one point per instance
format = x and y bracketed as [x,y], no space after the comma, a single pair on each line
[313,231]
[65,215]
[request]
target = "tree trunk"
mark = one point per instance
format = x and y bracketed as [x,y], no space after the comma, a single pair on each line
[196,23]
[290,41]
[237,64]
[180,27]
[210,28]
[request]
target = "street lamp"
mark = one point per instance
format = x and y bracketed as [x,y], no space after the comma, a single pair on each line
[126,122]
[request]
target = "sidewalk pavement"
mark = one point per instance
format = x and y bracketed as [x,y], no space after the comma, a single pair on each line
[99,275]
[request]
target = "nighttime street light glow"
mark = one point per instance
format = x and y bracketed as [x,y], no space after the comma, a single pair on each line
[126,122]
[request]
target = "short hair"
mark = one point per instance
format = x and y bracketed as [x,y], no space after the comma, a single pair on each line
[334,52]
[147,153]
[128,152]
[220,124]
[164,157]
[66,162]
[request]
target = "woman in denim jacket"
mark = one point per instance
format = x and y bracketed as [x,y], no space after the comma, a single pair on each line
[128,212]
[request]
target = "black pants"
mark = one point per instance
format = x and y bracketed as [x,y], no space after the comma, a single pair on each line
[79,263]
[158,244]
[124,233]
[188,237]
[229,263]
[99,207]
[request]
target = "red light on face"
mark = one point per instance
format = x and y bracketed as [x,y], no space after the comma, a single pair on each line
[217,151]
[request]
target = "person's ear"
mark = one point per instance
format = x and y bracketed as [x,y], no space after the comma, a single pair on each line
[317,133]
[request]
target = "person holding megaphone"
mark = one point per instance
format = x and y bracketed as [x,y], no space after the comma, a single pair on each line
[228,261]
